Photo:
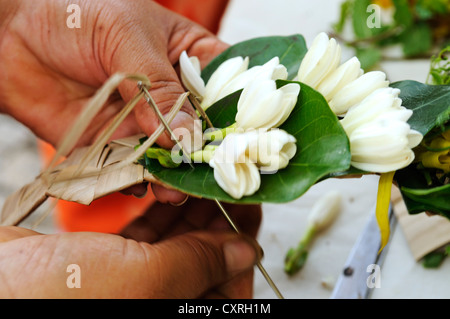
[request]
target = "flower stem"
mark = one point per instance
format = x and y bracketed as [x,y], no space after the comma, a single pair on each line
[296,257]
[219,134]
[164,157]
[205,155]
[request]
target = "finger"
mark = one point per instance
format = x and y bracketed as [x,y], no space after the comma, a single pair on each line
[246,217]
[205,48]
[146,52]
[8,233]
[109,266]
[240,287]
[210,259]
[166,196]
[138,191]
[164,220]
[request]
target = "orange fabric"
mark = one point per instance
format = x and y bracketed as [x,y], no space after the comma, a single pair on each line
[207,13]
[107,215]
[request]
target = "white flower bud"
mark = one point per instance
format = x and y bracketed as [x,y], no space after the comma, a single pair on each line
[226,72]
[343,75]
[234,172]
[271,70]
[381,102]
[238,160]
[380,137]
[322,58]
[382,145]
[414,138]
[325,211]
[262,105]
[190,75]
[357,90]
[272,150]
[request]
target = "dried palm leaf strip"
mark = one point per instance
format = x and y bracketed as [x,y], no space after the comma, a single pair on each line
[76,178]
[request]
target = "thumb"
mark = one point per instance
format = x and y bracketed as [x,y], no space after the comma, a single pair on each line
[193,263]
[110,266]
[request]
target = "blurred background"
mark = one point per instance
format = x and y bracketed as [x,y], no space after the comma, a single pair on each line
[387,48]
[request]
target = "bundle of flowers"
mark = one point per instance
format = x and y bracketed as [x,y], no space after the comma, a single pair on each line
[286,117]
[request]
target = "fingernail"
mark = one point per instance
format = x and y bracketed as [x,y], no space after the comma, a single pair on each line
[241,255]
[140,194]
[180,203]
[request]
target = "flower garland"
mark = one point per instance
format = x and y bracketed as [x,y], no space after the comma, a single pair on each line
[381,140]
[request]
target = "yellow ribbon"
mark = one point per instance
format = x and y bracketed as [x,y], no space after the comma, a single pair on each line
[382,210]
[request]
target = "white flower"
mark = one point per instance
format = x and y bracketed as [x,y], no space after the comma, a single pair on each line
[381,140]
[343,75]
[232,75]
[208,94]
[344,86]
[272,150]
[222,76]
[271,70]
[354,92]
[322,58]
[381,146]
[238,160]
[381,102]
[190,75]
[325,211]
[234,172]
[262,105]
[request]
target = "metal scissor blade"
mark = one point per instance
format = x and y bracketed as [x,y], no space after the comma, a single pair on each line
[353,282]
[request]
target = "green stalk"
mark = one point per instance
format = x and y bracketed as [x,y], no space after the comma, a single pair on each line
[163,156]
[296,257]
[219,135]
[205,155]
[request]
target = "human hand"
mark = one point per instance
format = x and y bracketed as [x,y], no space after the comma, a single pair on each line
[171,252]
[49,71]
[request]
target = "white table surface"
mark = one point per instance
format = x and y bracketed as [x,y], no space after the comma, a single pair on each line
[283,225]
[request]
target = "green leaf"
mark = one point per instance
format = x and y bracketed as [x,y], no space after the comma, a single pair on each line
[368,57]
[290,50]
[416,40]
[433,260]
[412,180]
[431,110]
[222,114]
[436,198]
[430,104]
[403,15]
[323,149]
[439,73]
[434,6]
[359,19]
[344,13]
[422,12]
